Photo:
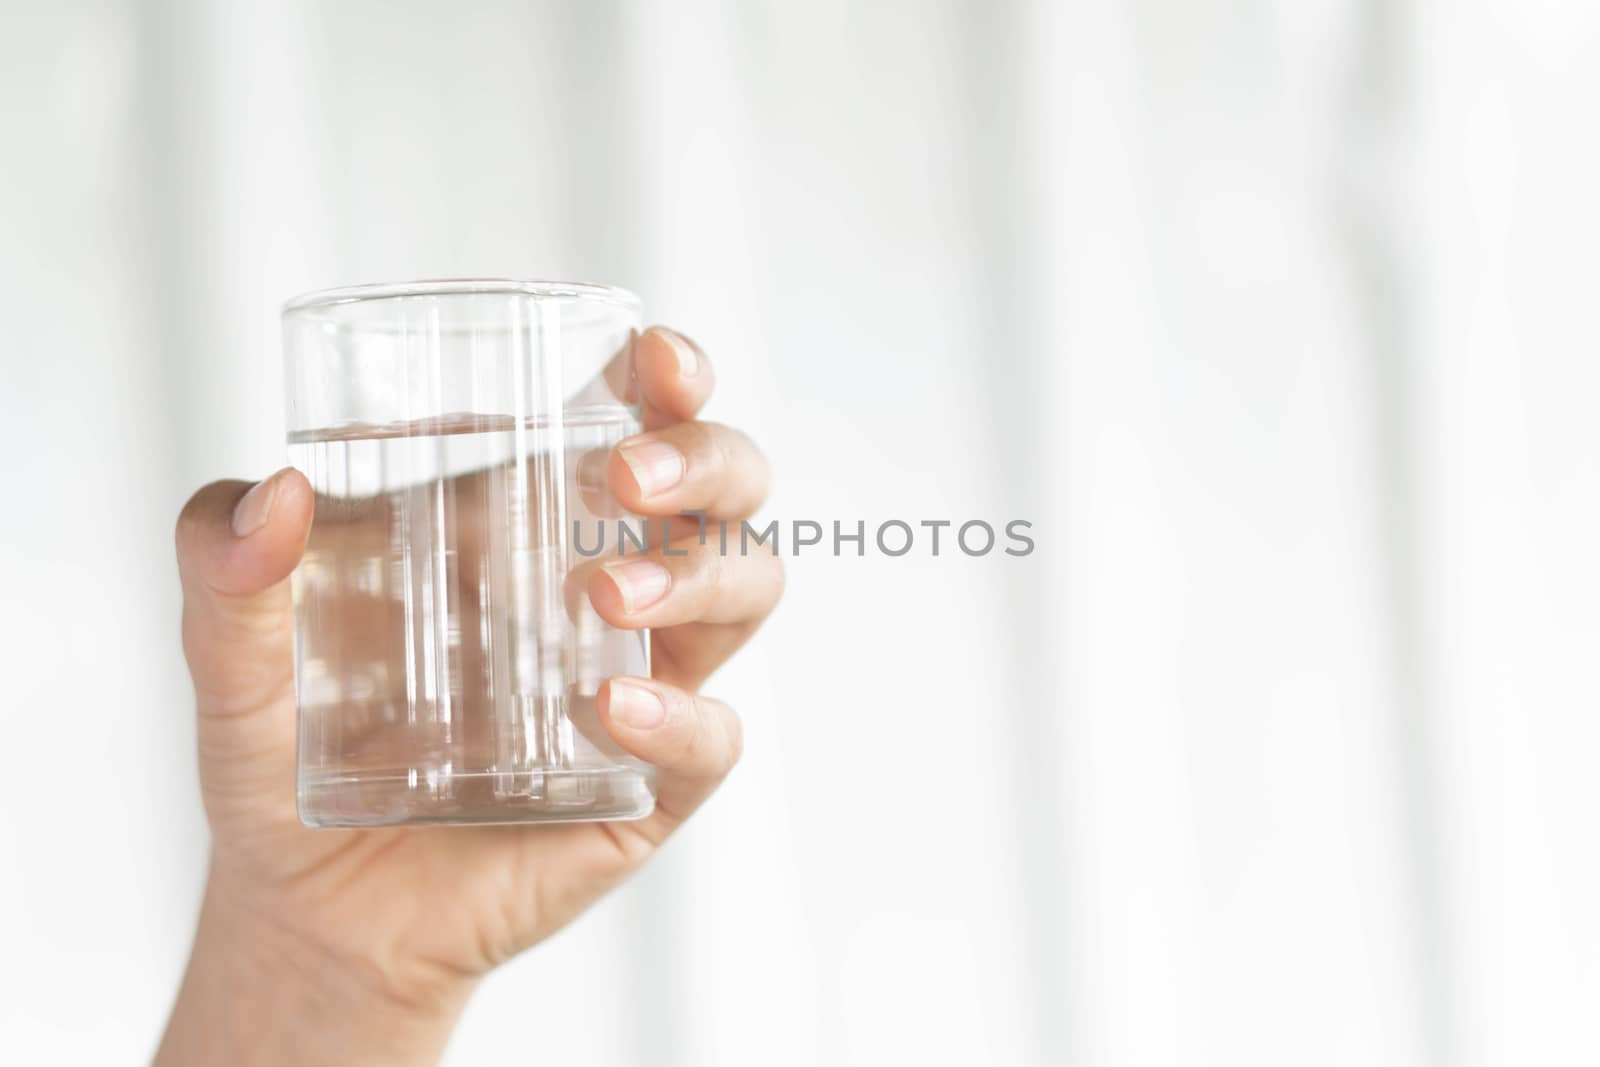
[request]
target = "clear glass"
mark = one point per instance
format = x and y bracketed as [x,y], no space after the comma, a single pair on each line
[447,657]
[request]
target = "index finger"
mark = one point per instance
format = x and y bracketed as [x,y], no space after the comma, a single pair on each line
[675,378]
[662,371]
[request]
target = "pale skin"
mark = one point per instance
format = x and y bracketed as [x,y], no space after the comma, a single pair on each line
[363,946]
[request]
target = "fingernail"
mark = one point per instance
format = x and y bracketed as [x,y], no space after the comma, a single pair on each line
[640,582]
[684,349]
[636,707]
[254,508]
[656,465]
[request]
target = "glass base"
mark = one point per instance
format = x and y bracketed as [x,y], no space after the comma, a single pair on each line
[411,797]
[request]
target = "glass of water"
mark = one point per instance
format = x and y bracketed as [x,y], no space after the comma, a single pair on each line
[446,654]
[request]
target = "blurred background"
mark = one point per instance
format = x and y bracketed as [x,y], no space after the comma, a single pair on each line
[1277,320]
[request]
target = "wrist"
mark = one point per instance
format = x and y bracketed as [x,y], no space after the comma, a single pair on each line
[257,991]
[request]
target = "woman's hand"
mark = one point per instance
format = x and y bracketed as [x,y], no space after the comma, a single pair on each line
[353,946]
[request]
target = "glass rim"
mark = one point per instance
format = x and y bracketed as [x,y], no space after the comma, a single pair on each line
[374,291]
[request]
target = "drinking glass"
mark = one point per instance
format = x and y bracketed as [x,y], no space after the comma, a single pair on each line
[446,653]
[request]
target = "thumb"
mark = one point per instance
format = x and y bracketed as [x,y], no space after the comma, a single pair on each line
[237,544]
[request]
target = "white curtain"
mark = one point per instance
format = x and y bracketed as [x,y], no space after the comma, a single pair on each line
[1277,320]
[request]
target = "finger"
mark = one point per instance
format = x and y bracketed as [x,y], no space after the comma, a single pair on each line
[702,584]
[661,370]
[673,375]
[689,466]
[667,375]
[702,606]
[237,545]
[693,741]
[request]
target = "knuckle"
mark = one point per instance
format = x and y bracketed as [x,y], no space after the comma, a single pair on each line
[726,441]
[710,447]
[691,737]
[754,472]
[727,465]
[711,567]
[761,473]
[712,740]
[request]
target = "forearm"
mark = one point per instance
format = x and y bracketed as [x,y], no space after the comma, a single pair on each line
[254,995]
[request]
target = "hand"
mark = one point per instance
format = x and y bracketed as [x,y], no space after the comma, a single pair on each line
[349,946]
